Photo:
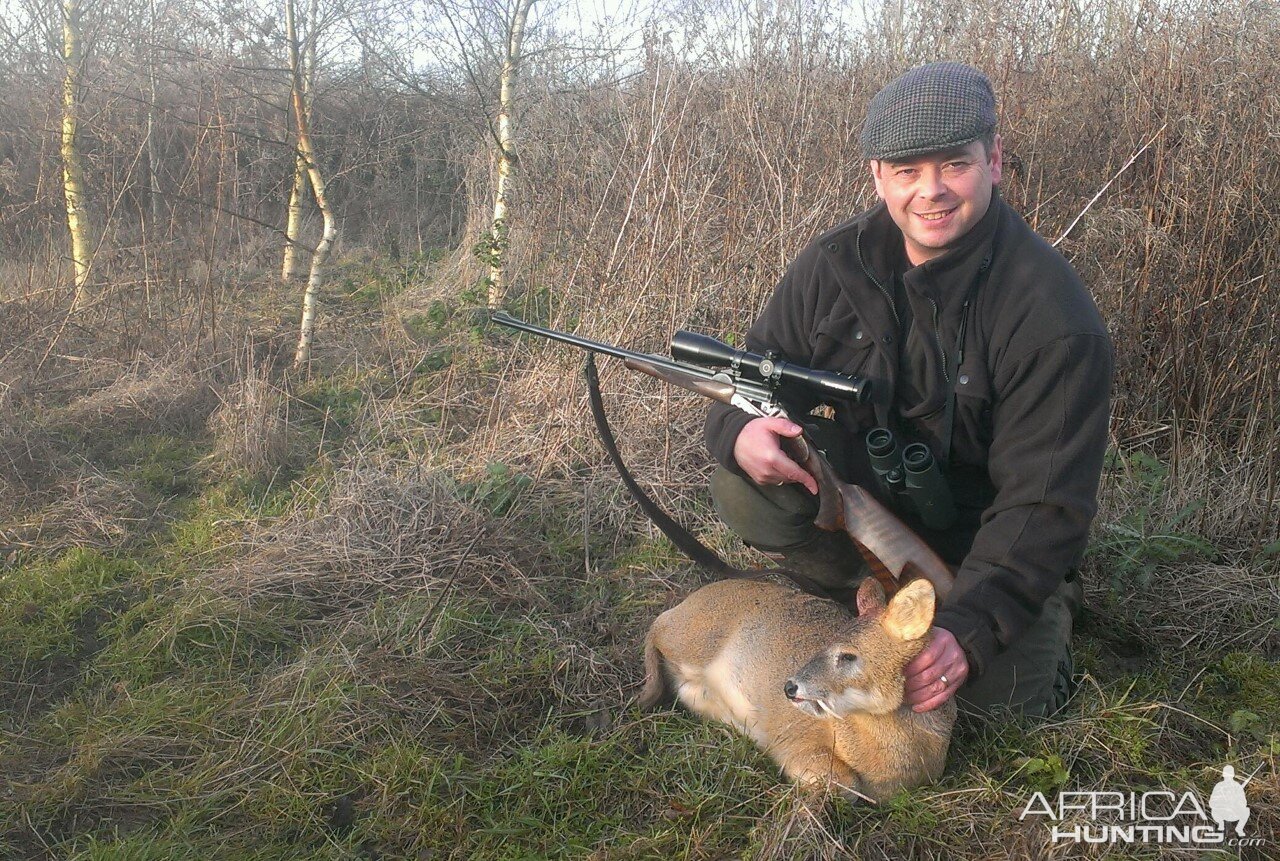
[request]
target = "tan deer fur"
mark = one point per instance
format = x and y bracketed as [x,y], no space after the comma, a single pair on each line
[817,688]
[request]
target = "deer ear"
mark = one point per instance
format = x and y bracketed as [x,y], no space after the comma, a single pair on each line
[910,613]
[870,596]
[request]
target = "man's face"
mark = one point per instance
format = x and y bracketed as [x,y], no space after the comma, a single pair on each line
[936,198]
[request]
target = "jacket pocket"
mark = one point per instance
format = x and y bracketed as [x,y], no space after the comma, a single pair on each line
[973,430]
[842,344]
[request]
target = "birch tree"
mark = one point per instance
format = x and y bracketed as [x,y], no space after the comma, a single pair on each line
[72,166]
[306,151]
[507,159]
[485,44]
[152,160]
[293,224]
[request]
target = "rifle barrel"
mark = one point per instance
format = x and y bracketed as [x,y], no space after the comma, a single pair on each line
[504,319]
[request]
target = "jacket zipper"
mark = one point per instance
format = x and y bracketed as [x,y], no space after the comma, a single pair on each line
[867,272]
[937,336]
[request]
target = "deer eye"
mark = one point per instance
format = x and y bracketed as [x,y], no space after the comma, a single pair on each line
[847,658]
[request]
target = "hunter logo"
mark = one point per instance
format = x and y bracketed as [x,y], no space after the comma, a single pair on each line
[1157,816]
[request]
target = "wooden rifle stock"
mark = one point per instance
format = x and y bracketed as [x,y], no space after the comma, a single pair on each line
[894,553]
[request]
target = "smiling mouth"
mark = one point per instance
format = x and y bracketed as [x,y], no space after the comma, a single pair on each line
[935,216]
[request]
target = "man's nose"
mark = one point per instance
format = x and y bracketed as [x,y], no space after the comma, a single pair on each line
[931,184]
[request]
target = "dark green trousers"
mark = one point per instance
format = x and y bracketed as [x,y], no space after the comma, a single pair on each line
[1032,677]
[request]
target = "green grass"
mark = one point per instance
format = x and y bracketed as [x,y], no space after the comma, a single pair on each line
[420,726]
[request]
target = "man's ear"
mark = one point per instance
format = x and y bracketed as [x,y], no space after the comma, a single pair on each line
[996,160]
[876,167]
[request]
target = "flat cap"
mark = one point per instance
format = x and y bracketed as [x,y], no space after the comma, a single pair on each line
[932,107]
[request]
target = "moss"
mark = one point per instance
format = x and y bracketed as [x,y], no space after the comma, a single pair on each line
[1242,692]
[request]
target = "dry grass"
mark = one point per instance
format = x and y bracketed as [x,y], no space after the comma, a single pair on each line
[149,397]
[97,511]
[375,534]
[251,428]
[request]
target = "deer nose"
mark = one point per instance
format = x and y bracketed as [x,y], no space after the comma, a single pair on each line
[790,689]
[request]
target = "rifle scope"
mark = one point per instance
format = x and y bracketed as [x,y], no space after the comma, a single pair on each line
[769,369]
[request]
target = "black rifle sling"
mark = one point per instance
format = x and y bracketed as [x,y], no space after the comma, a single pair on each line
[680,537]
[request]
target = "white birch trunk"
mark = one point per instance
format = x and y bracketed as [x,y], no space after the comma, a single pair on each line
[153,183]
[302,356]
[293,226]
[507,159]
[72,168]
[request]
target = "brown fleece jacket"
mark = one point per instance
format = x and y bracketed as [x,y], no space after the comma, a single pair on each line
[1032,397]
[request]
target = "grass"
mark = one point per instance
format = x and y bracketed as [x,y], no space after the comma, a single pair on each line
[393,647]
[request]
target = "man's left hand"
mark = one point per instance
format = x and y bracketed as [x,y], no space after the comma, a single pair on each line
[934,675]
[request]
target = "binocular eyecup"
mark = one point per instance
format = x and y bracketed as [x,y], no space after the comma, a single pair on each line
[912,476]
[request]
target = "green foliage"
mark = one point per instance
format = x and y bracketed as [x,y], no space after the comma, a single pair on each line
[1270,551]
[499,490]
[491,245]
[433,324]
[1045,774]
[1144,539]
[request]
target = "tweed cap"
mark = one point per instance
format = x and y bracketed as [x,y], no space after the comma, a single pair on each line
[933,107]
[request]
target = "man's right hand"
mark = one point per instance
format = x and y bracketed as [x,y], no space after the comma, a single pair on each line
[758,451]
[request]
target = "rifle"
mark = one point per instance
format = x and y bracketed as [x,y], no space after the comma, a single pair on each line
[761,385]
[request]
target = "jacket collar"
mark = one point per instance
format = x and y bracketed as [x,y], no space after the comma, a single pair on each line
[945,279]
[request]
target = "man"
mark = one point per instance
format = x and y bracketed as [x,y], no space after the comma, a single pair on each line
[981,342]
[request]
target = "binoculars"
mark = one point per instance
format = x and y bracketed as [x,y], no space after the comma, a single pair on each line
[911,475]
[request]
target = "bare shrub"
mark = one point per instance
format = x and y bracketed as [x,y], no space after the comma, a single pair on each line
[251,428]
[28,457]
